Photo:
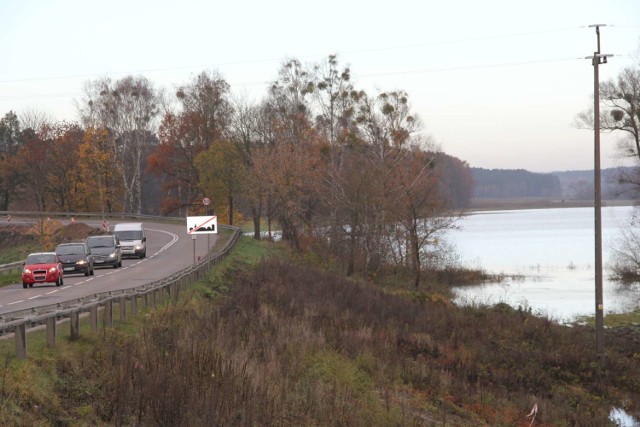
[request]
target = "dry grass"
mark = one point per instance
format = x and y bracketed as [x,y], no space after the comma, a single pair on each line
[290,344]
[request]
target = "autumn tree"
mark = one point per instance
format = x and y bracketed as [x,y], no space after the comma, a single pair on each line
[173,159]
[289,161]
[33,176]
[128,109]
[63,179]
[416,206]
[291,175]
[354,194]
[222,176]
[245,133]
[10,141]
[99,183]
[202,121]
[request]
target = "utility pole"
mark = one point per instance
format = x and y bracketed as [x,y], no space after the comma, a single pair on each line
[598,59]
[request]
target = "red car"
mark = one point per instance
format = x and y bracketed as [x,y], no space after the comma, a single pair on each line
[42,267]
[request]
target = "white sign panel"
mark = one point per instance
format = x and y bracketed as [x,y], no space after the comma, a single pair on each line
[202,224]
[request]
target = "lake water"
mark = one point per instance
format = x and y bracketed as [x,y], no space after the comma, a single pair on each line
[554,252]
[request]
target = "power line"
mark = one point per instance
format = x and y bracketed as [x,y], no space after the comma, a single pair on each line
[257,61]
[472,67]
[392,73]
[256,83]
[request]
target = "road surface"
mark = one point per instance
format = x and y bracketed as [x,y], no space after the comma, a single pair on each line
[169,249]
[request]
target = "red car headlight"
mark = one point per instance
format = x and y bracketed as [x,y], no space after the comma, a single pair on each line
[53,270]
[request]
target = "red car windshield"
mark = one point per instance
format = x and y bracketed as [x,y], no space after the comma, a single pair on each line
[41,259]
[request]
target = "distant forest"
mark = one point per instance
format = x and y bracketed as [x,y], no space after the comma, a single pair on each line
[571,185]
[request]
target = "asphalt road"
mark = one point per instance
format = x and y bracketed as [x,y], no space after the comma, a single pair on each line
[169,249]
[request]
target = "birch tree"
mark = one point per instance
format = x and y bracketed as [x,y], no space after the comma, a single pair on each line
[128,109]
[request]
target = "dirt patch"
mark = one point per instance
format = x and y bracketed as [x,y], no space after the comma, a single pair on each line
[74,233]
[15,235]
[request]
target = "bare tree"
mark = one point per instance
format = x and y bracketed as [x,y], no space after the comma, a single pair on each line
[128,108]
[245,134]
[622,102]
[626,253]
[33,118]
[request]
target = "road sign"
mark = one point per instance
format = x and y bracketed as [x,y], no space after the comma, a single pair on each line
[206,201]
[202,224]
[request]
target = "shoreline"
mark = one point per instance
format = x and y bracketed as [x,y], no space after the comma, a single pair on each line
[485,204]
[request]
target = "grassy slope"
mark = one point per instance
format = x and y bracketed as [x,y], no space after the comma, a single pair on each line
[289,344]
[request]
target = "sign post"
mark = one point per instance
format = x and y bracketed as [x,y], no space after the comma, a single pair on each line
[206,202]
[193,237]
[201,225]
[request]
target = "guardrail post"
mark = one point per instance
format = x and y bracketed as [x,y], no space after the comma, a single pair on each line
[74,321]
[122,303]
[152,295]
[51,331]
[158,297]
[134,305]
[21,340]
[93,318]
[173,291]
[107,318]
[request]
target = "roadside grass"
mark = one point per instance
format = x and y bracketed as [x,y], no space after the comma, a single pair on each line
[615,320]
[623,319]
[290,344]
[10,277]
[270,340]
[52,386]
[12,254]
[16,253]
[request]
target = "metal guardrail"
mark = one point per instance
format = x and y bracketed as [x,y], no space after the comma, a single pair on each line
[94,215]
[152,293]
[11,266]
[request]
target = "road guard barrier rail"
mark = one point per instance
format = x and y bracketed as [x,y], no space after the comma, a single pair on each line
[149,294]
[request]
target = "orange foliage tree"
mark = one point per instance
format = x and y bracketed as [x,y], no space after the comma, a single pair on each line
[222,177]
[99,184]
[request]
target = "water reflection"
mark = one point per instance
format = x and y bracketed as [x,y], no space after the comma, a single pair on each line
[622,419]
[553,249]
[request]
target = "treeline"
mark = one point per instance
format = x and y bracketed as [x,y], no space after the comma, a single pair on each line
[616,183]
[324,160]
[510,183]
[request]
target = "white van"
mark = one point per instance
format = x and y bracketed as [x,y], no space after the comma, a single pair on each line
[133,241]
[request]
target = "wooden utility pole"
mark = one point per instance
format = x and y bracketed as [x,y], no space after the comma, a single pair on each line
[598,59]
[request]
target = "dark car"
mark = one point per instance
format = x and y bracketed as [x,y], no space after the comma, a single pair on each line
[106,250]
[76,257]
[42,267]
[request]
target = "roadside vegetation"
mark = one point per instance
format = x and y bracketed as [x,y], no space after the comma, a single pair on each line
[274,338]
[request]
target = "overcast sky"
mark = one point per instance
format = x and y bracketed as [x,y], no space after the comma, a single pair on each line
[496,83]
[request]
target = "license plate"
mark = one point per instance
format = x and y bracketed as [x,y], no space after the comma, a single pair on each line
[98,261]
[68,269]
